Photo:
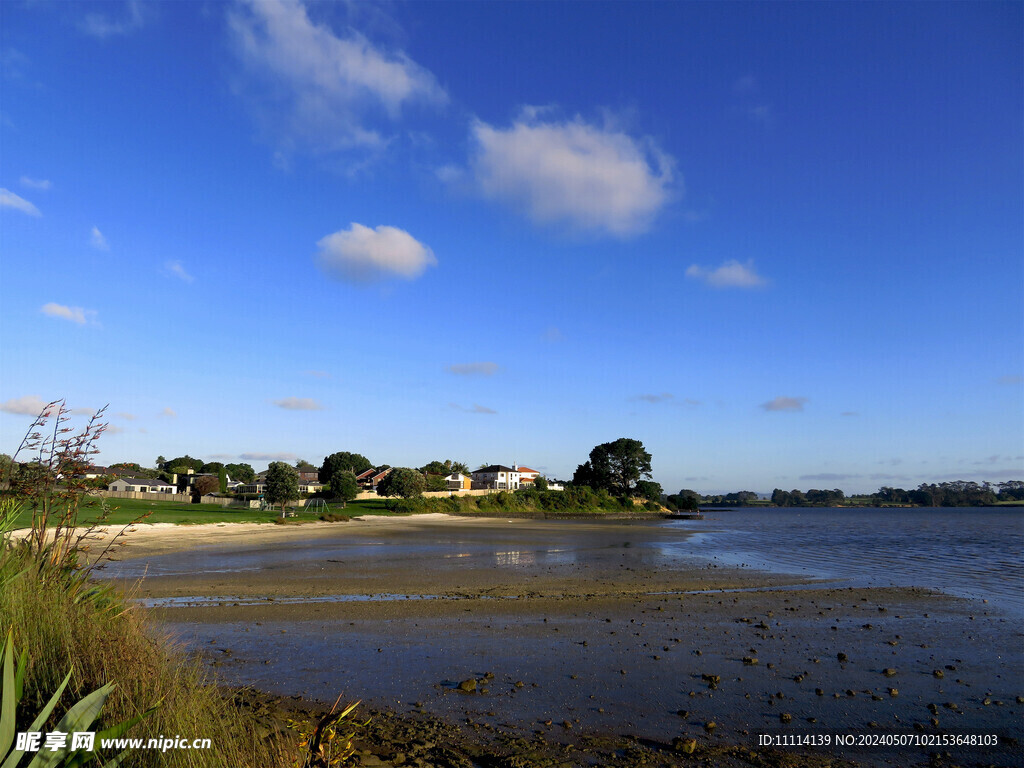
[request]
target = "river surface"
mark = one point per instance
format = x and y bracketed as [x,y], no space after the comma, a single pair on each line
[572,633]
[968,552]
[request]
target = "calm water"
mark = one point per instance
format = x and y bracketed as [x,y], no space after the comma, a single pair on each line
[969,552]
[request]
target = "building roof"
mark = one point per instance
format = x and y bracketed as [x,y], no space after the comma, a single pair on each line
[495,468]
[527,469]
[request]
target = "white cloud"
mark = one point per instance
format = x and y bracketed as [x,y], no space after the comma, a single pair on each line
[97,240]
[785,404]
[29,405]
[169,413]
[591,178]
[327,85]
[113,429]
[360,254]
[10,200]
[731,274]
[74,314]
[298,404]
[126,416]
[473,369]
[41,184]
[176,269]
[102,27]
[318,374]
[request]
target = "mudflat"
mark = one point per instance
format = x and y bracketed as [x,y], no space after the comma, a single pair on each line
[575,634]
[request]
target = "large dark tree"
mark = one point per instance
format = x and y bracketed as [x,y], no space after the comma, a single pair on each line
[182,464]
[618,466]
[282,484]
[343,460]
[401,481]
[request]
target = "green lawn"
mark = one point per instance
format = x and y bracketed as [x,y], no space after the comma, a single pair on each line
[182,513]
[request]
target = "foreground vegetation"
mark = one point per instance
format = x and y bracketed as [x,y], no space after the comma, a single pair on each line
[77,656]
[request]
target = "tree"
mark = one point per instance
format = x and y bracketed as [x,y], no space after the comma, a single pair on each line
[160,461]
[222,480]
[304,466]
[211,468]
[648,489]
[584,475]
[444,468]
[206,484]
[344,486]
[618,466]
[401,481]
[241,472]
[282,484]
[540,483]
[182,464]
[353,462]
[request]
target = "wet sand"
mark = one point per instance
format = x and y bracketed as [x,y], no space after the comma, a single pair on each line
[578,630]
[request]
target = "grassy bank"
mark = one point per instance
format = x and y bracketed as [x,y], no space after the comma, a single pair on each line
[61,622]
[125,511]
[574,503]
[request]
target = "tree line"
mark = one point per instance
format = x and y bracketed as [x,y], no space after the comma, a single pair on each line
[958,493]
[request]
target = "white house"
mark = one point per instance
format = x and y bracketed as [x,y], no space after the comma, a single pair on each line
[497,477]
[141,485]
[527,475]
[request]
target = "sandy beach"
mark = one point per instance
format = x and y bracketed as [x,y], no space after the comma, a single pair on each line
[574,632]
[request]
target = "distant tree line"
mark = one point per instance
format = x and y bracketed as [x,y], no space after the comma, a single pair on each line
[959,493]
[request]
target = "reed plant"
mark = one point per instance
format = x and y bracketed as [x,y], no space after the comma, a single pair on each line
[82,641]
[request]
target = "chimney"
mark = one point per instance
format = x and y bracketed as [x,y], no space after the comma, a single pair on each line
[515,466]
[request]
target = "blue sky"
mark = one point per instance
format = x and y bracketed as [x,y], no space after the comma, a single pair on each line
[780,243]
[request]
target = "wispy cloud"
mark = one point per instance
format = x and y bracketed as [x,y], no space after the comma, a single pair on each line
[126,416]
[29,405]
[318,374]
[785,404]
[473,369]
[360,254]
[97,240]
[731,274]
[829,477]
[74,314]
[298,404]
[1010,380]
[287,457]
[41,184]
[592,178]
[475,409]
[320,88]
[102,26]
[113,429]
[10,200]
[552,335]
[849,413]
[664,397]
[169,413]
[178,270]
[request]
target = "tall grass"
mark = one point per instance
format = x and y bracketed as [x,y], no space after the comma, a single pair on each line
[62,619]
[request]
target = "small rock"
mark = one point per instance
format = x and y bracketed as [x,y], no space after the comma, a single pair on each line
[889,672]
[842,657]
[785,717]
[750,660]
[684,745]
[938,673]
[468,686]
